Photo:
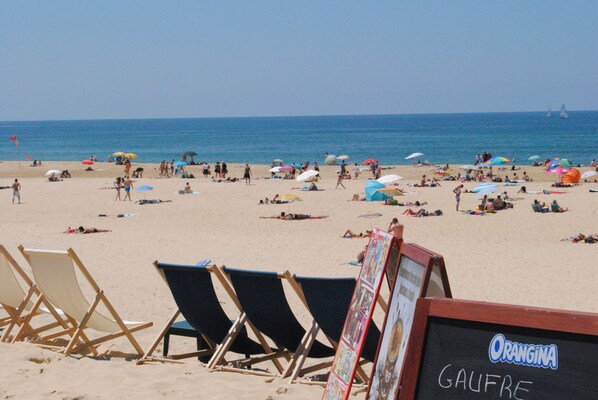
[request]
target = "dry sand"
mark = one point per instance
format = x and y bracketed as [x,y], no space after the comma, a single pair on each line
[515,256]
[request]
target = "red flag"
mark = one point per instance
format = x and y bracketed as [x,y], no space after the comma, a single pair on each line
[15,140]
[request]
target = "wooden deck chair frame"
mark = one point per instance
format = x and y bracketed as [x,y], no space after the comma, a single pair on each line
[217,350]
[18,313]
[293,369]
[79,340]
[309,339]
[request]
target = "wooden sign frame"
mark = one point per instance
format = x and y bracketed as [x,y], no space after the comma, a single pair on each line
[432,263]
[491,313]
[369,282]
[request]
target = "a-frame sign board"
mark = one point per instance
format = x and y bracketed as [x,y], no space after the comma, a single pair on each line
[382,247]
[474,350]
[421,272]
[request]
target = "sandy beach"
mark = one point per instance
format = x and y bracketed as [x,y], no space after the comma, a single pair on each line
[515,256]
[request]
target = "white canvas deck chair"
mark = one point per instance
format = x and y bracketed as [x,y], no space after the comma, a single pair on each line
[17,302]
[55,275]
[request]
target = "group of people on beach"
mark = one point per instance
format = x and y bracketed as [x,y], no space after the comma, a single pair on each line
[123,183]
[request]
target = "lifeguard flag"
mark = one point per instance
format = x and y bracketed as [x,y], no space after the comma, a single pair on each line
[15,140]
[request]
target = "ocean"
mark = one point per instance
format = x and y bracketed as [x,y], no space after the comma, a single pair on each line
[442,138]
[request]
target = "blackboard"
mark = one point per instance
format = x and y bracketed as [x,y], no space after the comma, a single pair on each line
[457,363]
[474,350]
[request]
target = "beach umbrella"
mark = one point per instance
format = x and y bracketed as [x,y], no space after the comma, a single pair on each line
[286,168]
[180,164]
[343,157]
[330,160]
[190,153]
[409,157]
[558,170]
[131,156]
[559,163]
[87,162]
[369,161]
[53,172]
[440,171]
[484,189]
[532,158]
[389,179]
[275,170]
[483,186]
[277,161]
[497,161]
[391,192]
[467,167]
[310,173]
[588,174]
[143,189]
[118,154]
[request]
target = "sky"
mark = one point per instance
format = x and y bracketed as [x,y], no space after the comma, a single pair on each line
[171,59]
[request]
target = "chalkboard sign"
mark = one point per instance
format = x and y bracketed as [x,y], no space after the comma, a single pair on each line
[473,350]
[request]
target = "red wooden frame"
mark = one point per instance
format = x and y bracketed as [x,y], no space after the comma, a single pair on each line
[429,260]
[493,313]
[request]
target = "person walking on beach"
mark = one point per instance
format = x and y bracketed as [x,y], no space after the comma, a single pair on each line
[16,191]
[457,192]
[118,185]
[247,175]
[340,182]
[128,186]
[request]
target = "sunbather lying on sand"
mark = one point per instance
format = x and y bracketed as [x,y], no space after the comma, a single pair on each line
[289,217]
[357,197]
[85,230]
[350,235]
[144,201]
[593,238]
[421,213]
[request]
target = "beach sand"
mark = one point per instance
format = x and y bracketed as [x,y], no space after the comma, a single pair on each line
[515,256]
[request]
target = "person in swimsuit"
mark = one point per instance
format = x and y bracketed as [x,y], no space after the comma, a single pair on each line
[16,191]
[457,192]
[128,186]
[91,230]
[289,217]
[247,175]
[188,188]
[118,185]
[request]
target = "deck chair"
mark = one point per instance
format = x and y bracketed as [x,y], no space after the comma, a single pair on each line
[55,275]
[17,302]
[194,293]
[261,294]
[328,300]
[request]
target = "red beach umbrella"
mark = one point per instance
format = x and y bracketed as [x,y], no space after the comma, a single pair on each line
[370,161]
[87,162]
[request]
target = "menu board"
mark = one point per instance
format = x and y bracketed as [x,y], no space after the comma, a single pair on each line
[473,350]
[359,316]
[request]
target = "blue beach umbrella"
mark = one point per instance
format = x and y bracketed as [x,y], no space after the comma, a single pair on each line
[180,164]
[143,188]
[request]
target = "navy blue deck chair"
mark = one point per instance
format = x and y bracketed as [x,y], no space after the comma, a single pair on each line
[261,294]
[328,300]
[193,291]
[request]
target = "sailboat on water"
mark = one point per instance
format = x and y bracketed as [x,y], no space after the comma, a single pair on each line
[564,114]
[549,114]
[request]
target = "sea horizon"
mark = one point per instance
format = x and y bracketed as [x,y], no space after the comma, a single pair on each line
[453,138]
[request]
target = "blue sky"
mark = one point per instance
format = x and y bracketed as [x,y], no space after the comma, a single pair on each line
[152,59]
